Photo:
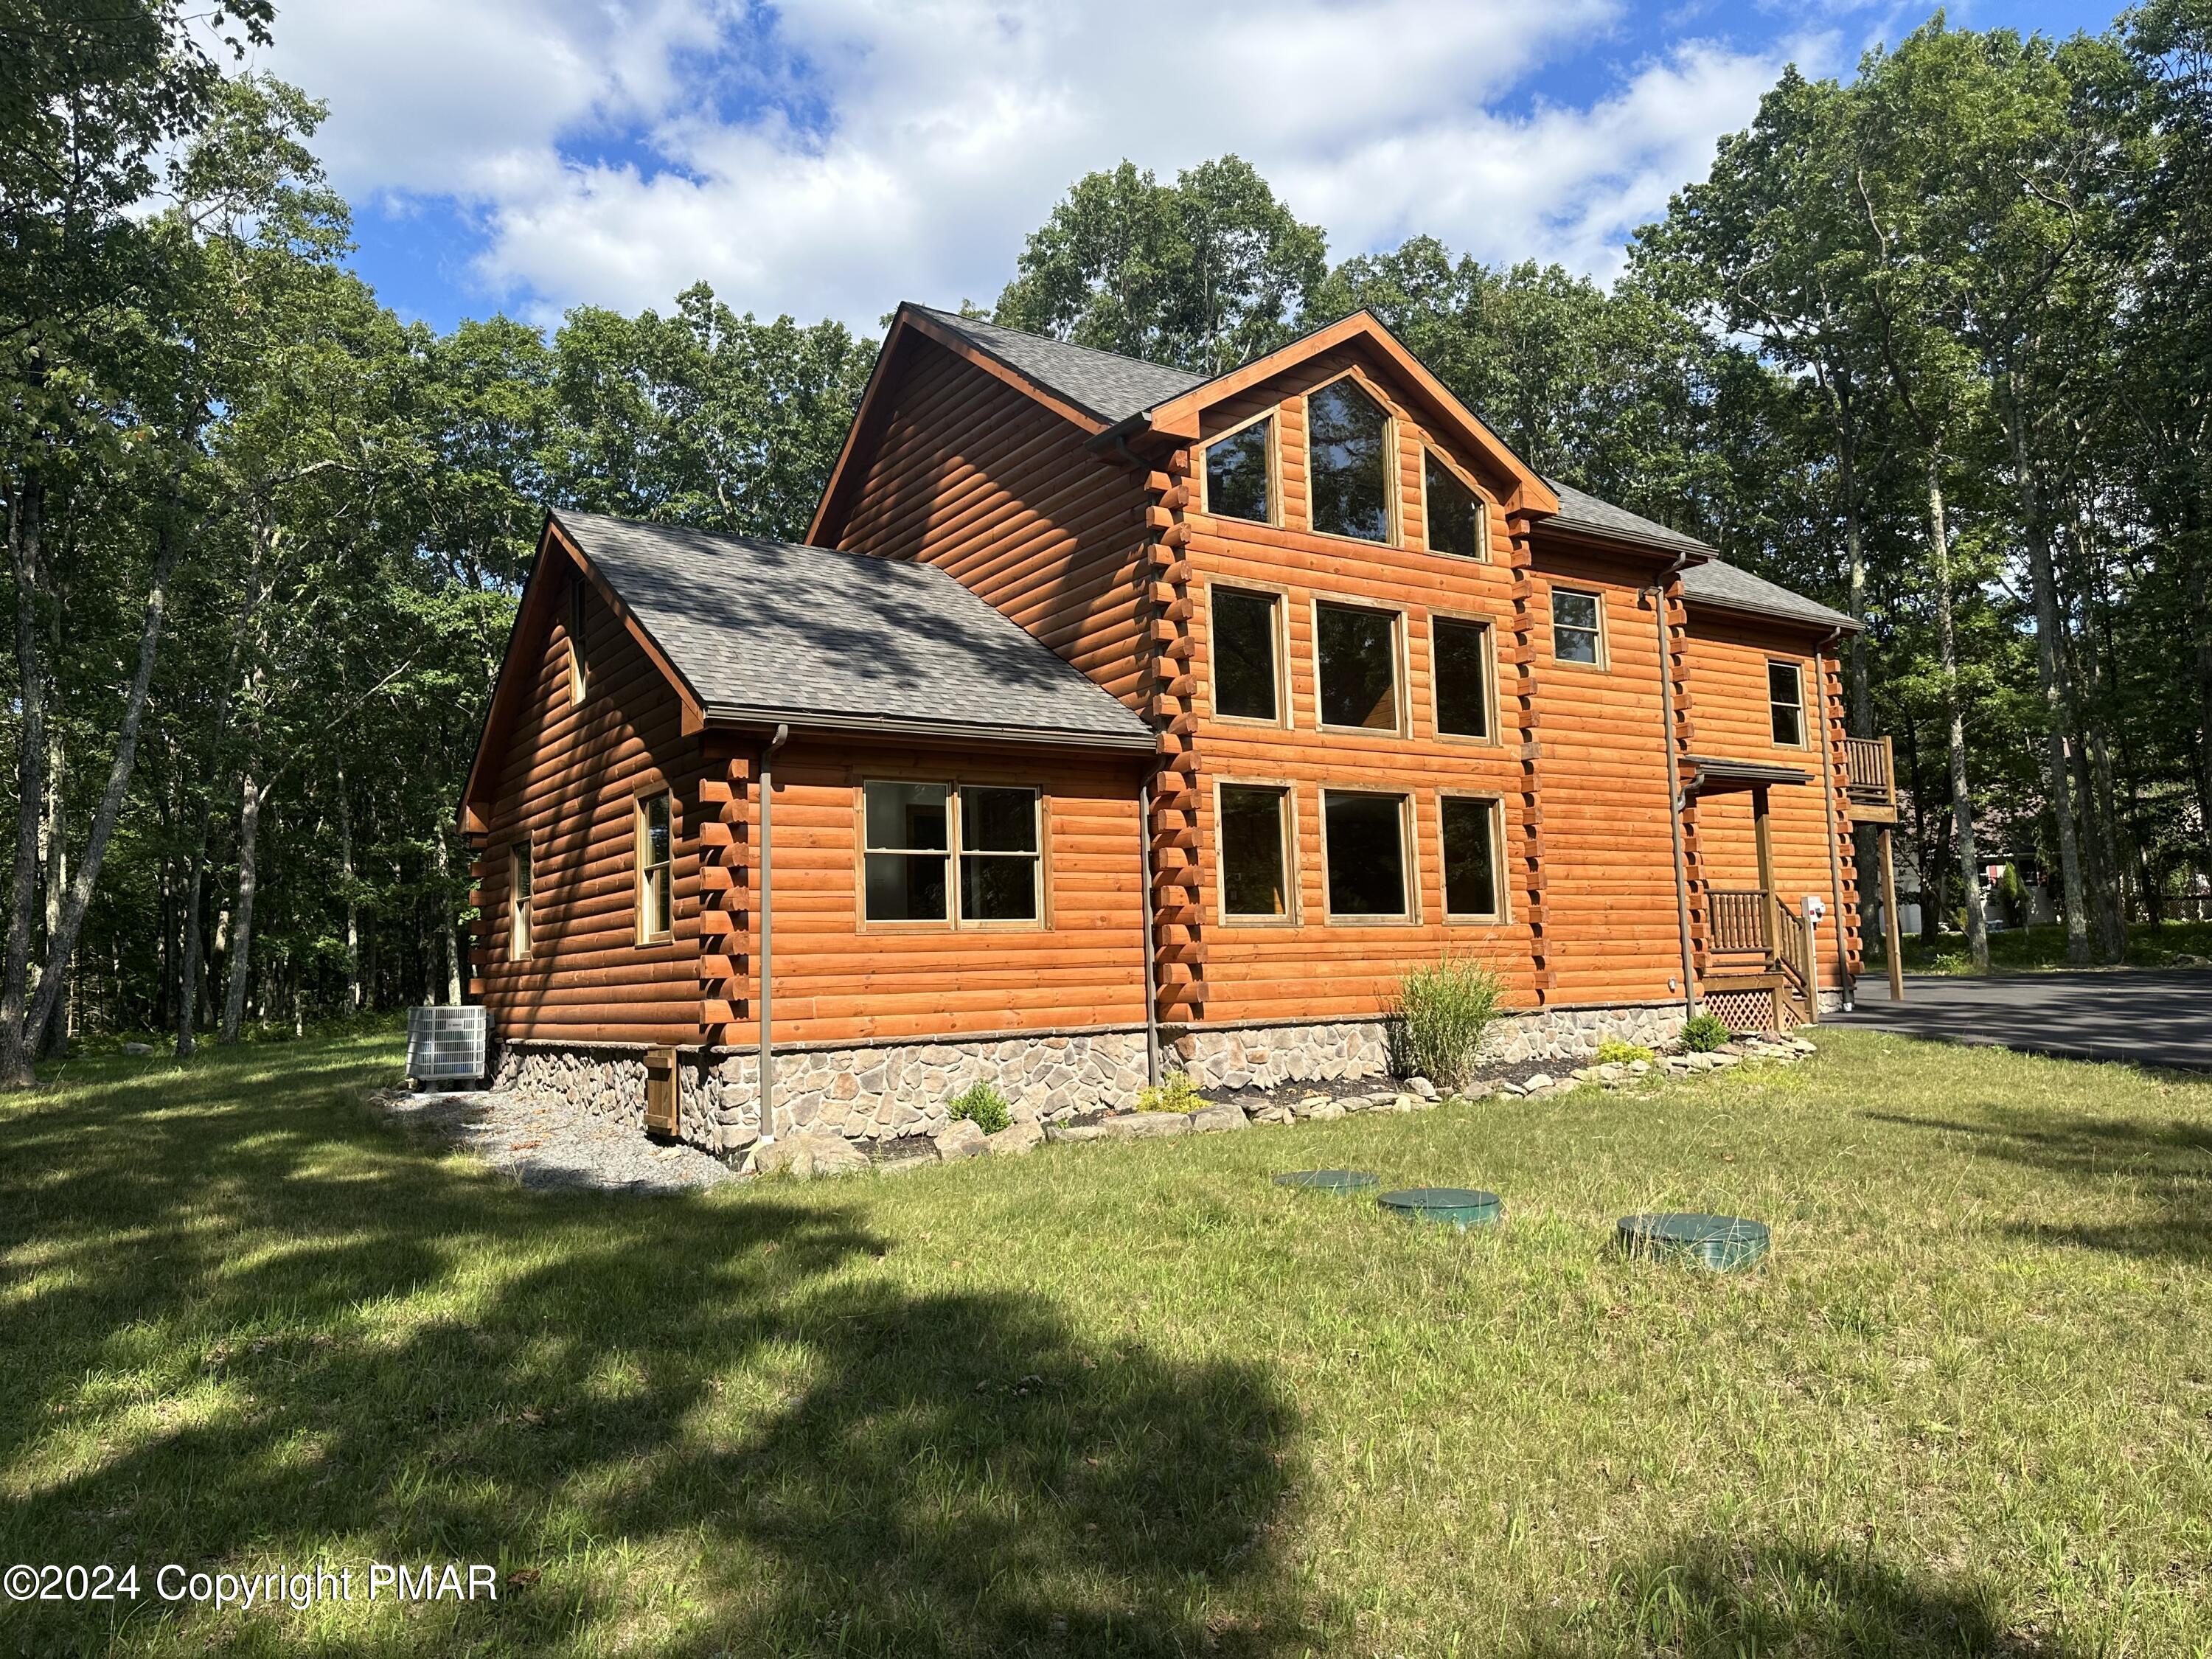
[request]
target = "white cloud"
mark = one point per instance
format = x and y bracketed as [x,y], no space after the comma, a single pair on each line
[596,142]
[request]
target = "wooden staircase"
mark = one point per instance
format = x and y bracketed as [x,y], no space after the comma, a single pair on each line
[1760,973]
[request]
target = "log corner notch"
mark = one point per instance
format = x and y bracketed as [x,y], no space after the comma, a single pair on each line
[1176,827]
[1525,859]
[727,825]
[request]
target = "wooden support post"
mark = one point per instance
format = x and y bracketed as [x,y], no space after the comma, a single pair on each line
[1889,919]
[1763,830]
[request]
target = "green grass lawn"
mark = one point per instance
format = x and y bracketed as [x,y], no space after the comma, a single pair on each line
[1135,1399]
[2037,949]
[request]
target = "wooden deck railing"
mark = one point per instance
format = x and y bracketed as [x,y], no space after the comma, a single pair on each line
[1870,768]
[1739,921]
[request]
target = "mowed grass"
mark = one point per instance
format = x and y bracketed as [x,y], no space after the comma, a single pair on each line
[2043,949]
[1135,1399]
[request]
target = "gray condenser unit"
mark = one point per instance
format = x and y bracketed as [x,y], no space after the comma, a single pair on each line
[446,1045]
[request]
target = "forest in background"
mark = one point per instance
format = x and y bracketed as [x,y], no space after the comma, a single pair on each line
[1933,345]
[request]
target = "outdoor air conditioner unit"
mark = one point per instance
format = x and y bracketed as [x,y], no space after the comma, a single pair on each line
[448,1045]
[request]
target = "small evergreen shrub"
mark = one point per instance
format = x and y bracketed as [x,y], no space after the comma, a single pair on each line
[1442,1014]
[1703,1033]
[1614,1052]
[1174,1092]
[983,1106]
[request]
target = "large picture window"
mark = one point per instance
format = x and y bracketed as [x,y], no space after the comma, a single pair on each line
[1347,462]
[1366,839]
[1462,668]
[655,867]
[1356,660]
[1470,844]
[1239,473]
[1785,695]
[915,835]
[1246,679]
[1255,861]
[1577,627]
[517,901]
[1459,523]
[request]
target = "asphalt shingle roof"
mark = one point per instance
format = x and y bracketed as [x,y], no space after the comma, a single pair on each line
[1580,510]
[772,630]
[1718,582]
[1109,385]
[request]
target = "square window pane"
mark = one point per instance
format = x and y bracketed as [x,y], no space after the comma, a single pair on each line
[1457,513]
[1348,485]
[998,889]
[1244,673]
[909,816]
[657,896]
[1358,667]
[1463,671]
[1470,857]
[1366,855]
[997,820]
[1252,876]
[906,886]
[1237,473]
[656,830]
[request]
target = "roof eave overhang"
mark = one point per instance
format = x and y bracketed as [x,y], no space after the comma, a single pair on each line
[1682,554]
[1713,774]
[747,716]
[1831,626]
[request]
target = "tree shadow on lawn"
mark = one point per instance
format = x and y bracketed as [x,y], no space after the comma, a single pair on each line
[244,1332]
[1717,1598]
[2158,1175]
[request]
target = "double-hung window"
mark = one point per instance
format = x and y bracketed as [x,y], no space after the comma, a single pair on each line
[1785,697]
[517,901]
[916,836]
[656,849]
[1577,627]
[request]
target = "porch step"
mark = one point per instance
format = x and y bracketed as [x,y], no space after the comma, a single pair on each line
[1767,1001]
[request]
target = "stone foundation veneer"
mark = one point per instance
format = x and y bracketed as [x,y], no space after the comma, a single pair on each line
[883,1091]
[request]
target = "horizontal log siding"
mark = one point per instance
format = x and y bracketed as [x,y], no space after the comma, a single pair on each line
[1728,658]
[569,781]
[838,980]
[970,474]
[1316,970]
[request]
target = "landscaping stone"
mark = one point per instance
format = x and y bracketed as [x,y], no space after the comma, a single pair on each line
[138,1047]
[804,1156]
[1328,1112]
[963,1138]
[905,1153]
[1211,1120]
[1541,1080]
[1078,1132]
[1421,1087]
[1144,1126]
[1021,1135]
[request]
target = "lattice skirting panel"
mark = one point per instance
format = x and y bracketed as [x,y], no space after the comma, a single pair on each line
[1742,1010]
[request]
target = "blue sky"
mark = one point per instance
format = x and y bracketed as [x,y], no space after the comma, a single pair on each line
[831,159]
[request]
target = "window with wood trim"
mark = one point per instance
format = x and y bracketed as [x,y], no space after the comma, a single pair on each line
[1348,462]
[1248,672]
[1240,473]
[656,867]
[916,836]
[579,608]
[1577,627]
[517,901]
[1365,840]
[1471,840]
[1356,666]
[1254,838]
[1460,669]
[1458,519]
[1785,698]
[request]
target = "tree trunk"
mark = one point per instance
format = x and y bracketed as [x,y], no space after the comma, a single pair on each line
[1962,802]
[443,864]
[47,1038]
[241,922]
[24,531]
[352,904]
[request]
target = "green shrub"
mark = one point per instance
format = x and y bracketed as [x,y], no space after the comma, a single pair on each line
[1703,1033]
[982,1105]
[1174,1092]
[1441,1014]
[1613,1052]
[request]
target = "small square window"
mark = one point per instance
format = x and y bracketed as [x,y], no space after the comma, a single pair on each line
[1470,842]
[1463,676]
[908,851]
[1247,681]
[1366,837]
[1786,698]
[1255,868]
[1459,522]
[1358,653]
[1577,633]
[517,901]
[655,865]
[1238,469]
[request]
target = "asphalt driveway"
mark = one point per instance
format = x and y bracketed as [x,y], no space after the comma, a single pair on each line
[2149,1017]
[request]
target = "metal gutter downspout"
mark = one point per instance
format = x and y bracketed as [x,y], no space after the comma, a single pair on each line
[765,785]
[1151,988]
[1658,592]
[1845,986]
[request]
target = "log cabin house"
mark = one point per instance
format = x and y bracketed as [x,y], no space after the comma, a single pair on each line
[1114,716]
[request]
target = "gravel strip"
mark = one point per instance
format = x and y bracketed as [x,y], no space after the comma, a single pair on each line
[553,1148]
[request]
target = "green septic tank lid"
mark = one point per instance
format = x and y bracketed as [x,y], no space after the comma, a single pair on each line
[1455,1207]
[1722,1242]
[1329,1181]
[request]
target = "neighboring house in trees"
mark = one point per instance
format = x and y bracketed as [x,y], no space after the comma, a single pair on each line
[1114,711]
